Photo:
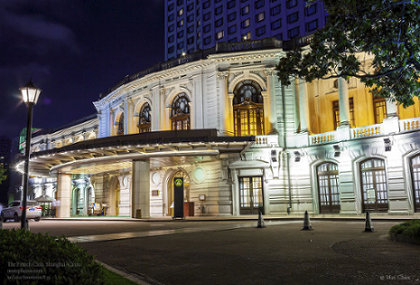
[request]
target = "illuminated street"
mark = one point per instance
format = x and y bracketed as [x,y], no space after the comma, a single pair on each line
[334,252]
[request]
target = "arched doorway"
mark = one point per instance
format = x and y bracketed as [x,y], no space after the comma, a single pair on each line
[172,202]
[328,195]
[374,186]
[114,199]
[415,174]
[248,109]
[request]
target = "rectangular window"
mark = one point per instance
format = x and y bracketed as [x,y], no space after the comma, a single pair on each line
[179,2]
[245,10]
[336,113]
[180,45]
[171,7]
[232,40]
[190,40]
[311,26]
[207,16]
[218,10]
[259,17]
[379,105]
[232,17]
[206,4]
[180,12]
[245,23]
[276,25]
[190,29]
[292,18]
[232,29]
[180,34]
[259,4]
[231,4]
[171,49]
[171,39]
[246,36]
[207,28]
[207,40]
[219,22]
[293,33]
[190,7]
[260,31]
[171,17]
[190,18]
[275,10]
[291,3]
[171,28]
[309,11]
[220,35]
[180,23]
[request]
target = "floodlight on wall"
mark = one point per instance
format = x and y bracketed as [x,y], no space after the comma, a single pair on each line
[274,155]
[337,150]
[297,156]
[388,144]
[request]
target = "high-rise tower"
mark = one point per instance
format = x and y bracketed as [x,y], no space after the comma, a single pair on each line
[192,25]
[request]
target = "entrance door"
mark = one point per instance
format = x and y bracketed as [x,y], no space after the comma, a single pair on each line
[374,187]
[415,171]
[251,195]
[329,199]
[178,197]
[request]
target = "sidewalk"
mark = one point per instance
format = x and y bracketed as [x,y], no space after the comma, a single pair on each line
[325,217]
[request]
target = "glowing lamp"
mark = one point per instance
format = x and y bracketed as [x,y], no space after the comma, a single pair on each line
[30,93]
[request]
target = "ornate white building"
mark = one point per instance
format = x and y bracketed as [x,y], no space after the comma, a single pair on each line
[240,141]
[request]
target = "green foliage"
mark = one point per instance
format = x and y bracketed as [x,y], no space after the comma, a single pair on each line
[112,278]
[3,173]
[43,259]
[387,29]
[410,230]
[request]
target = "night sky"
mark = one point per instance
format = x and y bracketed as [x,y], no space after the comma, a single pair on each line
[73,50]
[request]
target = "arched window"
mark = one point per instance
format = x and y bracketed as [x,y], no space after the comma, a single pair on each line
[180,112]
[329,199]
[248,109]
[415,174]
[120,130]
[374,187]
[145,118]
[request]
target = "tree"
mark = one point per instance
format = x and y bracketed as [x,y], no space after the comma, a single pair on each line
[386,29]
[3,173]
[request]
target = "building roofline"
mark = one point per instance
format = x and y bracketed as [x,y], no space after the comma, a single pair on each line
[220,48]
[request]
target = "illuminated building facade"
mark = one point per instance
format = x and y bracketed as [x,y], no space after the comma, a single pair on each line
[222,128]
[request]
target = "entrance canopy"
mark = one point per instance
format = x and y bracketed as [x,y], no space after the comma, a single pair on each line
[118,152]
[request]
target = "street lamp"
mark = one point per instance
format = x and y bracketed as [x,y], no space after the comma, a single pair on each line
[30,96]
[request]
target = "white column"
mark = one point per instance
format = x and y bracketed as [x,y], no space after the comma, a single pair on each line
[156,115]
[235,193]
[198,101]
[303,106]
[221,100]
[64,187]
[140,191]
[126,116]
[343,94]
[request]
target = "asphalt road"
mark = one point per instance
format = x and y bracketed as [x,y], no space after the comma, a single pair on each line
[333,253]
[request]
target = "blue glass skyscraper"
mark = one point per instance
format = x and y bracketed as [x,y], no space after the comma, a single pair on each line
[191,25]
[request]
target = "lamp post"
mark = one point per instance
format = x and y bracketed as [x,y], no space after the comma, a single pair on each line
[30,96]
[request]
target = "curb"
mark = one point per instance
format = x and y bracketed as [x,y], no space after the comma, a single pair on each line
[136,278]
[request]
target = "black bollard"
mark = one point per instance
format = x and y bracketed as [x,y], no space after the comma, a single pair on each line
[368,224]
[260,223]
[306,222]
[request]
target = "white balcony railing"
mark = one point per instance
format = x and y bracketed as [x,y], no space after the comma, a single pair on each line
[266,140]
[322,138]
[409,124]
[367,131]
